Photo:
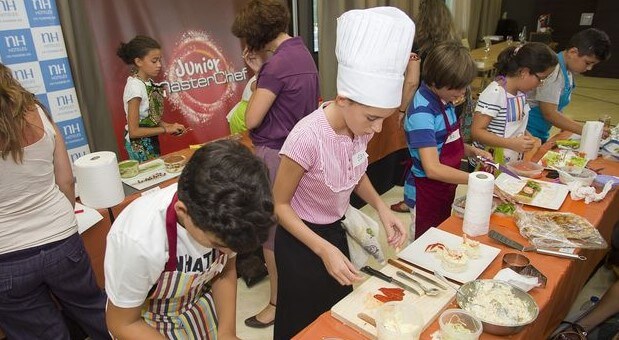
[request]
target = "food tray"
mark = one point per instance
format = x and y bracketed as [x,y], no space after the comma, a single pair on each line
[151,173]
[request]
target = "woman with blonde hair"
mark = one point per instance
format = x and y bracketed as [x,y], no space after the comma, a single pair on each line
[434,25]
[42,257]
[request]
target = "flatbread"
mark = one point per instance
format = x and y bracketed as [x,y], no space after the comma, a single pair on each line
[529,191]
[558,229]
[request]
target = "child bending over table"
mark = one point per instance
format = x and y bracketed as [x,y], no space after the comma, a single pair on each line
[170,257]
[502,112]
[585,49]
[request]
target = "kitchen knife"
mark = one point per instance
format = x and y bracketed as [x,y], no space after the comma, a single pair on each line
[495,235]
[415,274]
[513,244]
[500,167]
[506,170]
[373,272]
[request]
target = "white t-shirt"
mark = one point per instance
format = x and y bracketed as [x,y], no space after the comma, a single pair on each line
[492,102]
[550,91]
[137,250]
[135,88]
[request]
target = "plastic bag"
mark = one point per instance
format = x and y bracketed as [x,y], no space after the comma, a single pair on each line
[236,116]
[363,230]
[558,230]
[358,256]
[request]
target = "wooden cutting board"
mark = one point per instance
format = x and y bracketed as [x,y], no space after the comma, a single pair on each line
[361,300]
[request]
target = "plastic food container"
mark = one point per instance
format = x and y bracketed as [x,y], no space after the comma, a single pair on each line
[526,168]
[174,163]
[398,320]
[610,150]
[129,168]
[458,324]
[583,175]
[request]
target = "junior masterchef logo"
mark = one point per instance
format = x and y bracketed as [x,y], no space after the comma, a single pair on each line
[200,80]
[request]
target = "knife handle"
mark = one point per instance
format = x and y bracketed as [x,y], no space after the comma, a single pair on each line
[399,266]
[561,254]
[371,271]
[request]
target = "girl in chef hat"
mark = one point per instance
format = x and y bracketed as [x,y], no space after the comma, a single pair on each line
[324,160]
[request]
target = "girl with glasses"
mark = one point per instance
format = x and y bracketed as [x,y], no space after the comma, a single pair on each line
[501,114]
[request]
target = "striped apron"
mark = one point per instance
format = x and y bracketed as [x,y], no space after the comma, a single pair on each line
[181,305]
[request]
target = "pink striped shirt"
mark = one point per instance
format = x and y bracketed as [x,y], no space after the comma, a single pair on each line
[331,174]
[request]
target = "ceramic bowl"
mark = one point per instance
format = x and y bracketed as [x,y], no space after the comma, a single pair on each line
[174,163]
[470,290]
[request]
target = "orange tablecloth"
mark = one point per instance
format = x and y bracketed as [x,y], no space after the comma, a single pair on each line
[565,277]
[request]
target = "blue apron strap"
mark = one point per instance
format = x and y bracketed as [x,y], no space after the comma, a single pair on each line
[565,97]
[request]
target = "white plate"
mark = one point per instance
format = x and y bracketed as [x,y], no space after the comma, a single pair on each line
[566,155]
[151,173]
[550,197]
[416,253]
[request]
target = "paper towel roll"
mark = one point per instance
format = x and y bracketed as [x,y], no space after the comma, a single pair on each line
[478,203]
[98,180]
[590,139]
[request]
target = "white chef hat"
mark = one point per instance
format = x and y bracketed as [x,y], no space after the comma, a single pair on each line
[372,49]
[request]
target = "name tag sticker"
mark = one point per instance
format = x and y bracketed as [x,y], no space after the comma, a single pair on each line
[453,137]
[359,158]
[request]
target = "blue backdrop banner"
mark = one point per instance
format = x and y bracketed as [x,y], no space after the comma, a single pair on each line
[32,46]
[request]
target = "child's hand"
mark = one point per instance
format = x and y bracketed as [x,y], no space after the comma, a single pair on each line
[477,152]
[522,144]
[396,232]
[175,129]
[504,196]
[338,265]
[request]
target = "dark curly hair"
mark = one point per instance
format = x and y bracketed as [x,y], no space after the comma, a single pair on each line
[535,56]
[138,47]
[227,192]
[260,22]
